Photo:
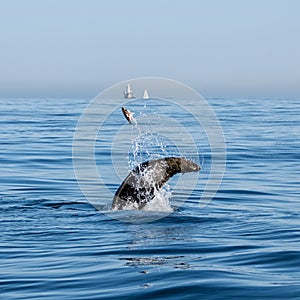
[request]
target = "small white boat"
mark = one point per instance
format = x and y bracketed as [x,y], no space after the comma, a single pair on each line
[128,93]
[146,95]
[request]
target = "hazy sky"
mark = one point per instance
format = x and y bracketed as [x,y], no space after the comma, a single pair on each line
[221,48]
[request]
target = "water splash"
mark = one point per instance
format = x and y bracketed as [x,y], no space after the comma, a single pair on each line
[160,202]
[147,144]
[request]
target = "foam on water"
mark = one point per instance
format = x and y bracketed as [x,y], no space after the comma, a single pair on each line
[160,202]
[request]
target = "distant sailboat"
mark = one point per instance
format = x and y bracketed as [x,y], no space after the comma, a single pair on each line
[128,93]
[146,95]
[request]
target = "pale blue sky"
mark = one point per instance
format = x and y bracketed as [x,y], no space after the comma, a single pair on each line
[75,48]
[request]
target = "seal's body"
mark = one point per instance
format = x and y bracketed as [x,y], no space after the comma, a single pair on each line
[140,185]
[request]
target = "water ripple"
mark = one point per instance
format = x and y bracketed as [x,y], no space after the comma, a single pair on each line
[242,245]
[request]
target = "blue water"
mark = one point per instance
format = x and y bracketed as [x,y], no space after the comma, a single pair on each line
[245,244]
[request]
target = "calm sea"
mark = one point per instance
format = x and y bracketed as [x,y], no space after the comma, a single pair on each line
[245,244]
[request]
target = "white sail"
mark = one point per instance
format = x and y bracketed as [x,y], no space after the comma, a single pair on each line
[146,95]
[128,93]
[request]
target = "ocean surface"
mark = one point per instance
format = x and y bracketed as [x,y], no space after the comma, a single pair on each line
[244,244]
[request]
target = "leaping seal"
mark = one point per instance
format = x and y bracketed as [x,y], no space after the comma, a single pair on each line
[141,183]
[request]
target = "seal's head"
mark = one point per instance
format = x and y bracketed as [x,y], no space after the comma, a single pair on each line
[182,165]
